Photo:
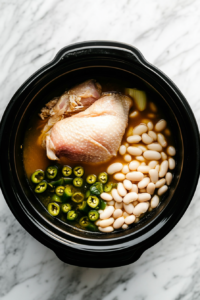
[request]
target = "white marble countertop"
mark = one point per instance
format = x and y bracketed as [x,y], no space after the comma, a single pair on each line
[168,34]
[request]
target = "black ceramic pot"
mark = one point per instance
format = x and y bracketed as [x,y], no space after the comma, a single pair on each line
[74,64]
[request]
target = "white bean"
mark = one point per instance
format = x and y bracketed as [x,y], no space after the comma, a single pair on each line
[116,167]
[153,175]
[134,176]
[106,196]
[122,150]
[160,126]
[130,197]
[107,213]
[129,220]
[125,169]
[143,164]
[142,147]
[134,165]
[151,188]
[121,190]
[117,213]
[124,226]
[163,168]
[143,183]
[106,222]
[125,214]
[157,168]
[155,147]
[140,158]
[134,139]
[106,229]
[134,114]
[168,178]
[128,208]
[140,129]
[141,208]
[112,202]
[146,138]
[152,155]
[116,196]
[127,157]
[160,183]
[134,151]
[171,150]
[161,140]
[142,190]
[153,135]
[118,205]
[154,201]
[135,203]
[172,163]
[143,169]
[162,190]
[127,184]
[144,197]
[119,176]
[97,222]
[163,155]
[150,125]
[118,222]
[134,188]
[153,163]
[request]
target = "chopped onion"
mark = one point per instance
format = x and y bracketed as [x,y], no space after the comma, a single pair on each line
[139,98]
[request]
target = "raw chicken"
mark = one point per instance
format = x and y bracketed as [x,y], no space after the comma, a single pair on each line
[76,99]
[94,135]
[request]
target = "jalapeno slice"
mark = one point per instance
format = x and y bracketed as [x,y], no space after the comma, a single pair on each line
[37,176]
[66,171]
[103,177]
[78,171]
[65,207]
[78,182]
[56,198]
[91,227]
[87,194]
[67,180]
[84,221]
[91,179]
[56,183]
[102,204]
[72,215]
[108,187]
[78,197]
[41,187]
[68,192]
[51,172]
[60,190]
[53,209]
[93,215]
[93,201]
[83,207]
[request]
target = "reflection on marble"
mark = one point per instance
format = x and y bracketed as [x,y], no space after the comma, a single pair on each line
[168,34]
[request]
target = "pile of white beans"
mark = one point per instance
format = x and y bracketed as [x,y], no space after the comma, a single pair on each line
[143,178]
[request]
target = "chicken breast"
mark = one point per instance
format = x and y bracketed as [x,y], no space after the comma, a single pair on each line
[94,135]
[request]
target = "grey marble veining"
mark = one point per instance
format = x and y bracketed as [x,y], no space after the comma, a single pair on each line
[168,34]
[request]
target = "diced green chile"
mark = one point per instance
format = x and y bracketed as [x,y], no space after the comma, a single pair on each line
[53,209]
[78,171]
[93,215]
[68,192]
[103,177]
[87,194]
[67,180]
[83,207]
[60,190]
[56,198]
[51,172]
[102,204]
[78,182]
[41,187]
[56,183]
[93,201]
[78,197]
[108,187]
[91,179]
[66,171]
[72,215]
[96,189]
[92,227]
[37,176]
[65,207]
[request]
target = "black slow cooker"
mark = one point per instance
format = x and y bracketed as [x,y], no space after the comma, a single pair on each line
[76,63]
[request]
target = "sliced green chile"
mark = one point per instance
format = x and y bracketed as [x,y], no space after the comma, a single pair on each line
[93,201]
[67,180]
[78,197]
[60,190]
[51,172]
[41,187]
[91,179]
[66,171]
[68,192]
[65,207]
[103,204]
[83,207]
[56,198]
[53,209]
[78,171]
[57,183]
[78,182]
[84,221]
[37,176]
[93,215]
[72,215]
[103,177]
[108,187]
